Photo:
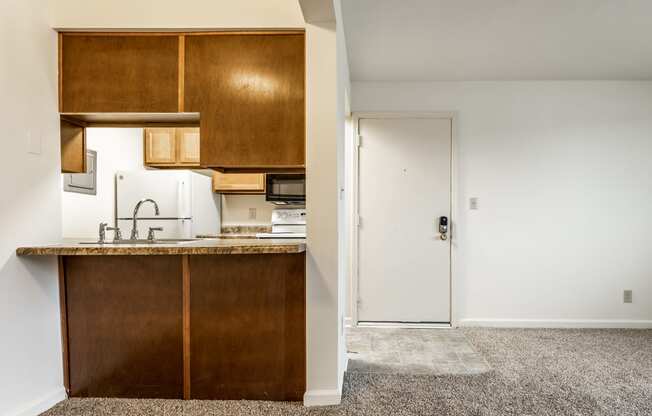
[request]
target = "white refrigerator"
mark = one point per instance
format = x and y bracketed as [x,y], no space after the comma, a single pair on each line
[187,204]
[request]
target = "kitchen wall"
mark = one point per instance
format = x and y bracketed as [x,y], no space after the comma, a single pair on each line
[236,210]
[117,149]
[31,377]
[563,175]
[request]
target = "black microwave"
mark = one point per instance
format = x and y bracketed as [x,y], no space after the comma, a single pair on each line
[286,188]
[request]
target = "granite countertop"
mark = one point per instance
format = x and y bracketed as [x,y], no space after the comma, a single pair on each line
[200,246]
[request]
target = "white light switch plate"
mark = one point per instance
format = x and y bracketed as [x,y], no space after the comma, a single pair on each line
[33,142]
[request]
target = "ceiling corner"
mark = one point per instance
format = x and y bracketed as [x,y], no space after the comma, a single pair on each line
[317,10]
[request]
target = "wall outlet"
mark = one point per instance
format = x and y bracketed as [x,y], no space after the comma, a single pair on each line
[252,213]
[473,203]
[627,296]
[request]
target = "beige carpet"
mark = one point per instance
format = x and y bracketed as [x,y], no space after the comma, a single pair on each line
[535,372]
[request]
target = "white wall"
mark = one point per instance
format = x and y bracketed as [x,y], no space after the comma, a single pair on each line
[343,224]
[323,328]
[563,175]
[168,14]
[117,149]
[235,210]
[31,378]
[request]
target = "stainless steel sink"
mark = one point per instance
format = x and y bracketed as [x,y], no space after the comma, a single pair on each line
[145,242]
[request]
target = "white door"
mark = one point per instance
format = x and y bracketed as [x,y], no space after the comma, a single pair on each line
[404,188]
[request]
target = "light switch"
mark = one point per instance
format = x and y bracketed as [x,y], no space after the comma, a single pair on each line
[33,142]
[473,203]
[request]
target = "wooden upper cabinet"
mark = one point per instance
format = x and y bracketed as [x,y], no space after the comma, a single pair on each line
[250,91]
[118,72]
[239,183]
[160,146]
[171,147]
[188,145]
[73,147]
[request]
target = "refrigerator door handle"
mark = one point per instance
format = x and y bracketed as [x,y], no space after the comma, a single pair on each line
[181,199]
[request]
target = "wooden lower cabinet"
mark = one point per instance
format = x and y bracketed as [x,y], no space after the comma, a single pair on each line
[124,326]
[247,320]
[124,335]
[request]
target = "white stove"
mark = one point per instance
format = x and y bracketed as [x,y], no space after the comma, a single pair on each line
[287,223]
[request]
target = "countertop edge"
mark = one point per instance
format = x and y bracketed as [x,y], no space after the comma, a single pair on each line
[290,248]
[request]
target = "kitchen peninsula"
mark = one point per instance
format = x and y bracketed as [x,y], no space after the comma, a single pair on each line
[204,319]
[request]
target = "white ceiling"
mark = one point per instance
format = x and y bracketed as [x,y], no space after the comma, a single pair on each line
[444,40]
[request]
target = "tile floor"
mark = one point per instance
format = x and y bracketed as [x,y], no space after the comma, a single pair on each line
[412,351]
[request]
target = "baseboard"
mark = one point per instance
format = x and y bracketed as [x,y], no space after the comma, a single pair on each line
[555,323]
[40,405]
[404,325]
[322,397]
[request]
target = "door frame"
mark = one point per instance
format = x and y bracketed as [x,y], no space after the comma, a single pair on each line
[354,212]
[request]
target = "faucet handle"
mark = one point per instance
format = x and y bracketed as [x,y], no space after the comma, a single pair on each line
[117,234]
[102,232]
[150,234]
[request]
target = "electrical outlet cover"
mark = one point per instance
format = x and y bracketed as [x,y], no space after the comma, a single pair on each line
[628,296]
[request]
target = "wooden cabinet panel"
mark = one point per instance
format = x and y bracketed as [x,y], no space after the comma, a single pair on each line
[247,327]
[115,72]
[171,147]
[188,145]
[249,89]
[160,146]
[239,183]
[73,147]
[124,329]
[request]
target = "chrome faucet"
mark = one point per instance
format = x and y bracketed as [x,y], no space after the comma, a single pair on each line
[134,229]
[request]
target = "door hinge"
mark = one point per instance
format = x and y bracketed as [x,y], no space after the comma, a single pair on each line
[358,221]
[358,141]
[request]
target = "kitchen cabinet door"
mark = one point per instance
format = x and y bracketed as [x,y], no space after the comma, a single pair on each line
[249,89]
[247,327]
[188,145]
[118,72]
[160,146]
[124,326]
[239,183]
[73,147]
